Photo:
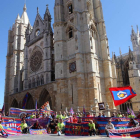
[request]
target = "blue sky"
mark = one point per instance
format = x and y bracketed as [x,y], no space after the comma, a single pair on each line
[119,15]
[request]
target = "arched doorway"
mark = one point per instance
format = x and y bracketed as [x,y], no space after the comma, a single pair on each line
[28,102]
[44,97]
[14,103]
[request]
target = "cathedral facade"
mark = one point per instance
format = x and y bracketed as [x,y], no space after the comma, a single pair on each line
[69,67]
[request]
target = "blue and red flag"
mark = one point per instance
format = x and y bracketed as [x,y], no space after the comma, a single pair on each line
[128,110]
[71,111]
[122,94]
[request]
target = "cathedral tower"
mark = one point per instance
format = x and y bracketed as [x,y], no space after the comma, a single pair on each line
[15,56]
[82,61]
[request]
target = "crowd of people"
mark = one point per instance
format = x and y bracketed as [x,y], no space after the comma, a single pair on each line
[57,125]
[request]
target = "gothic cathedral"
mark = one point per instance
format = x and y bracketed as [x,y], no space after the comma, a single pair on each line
[69,67]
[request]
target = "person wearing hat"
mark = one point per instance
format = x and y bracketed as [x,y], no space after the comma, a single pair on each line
[108,127]
[2,129]
[92,128]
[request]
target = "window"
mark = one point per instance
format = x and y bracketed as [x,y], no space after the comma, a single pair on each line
[70,32]
[37,33]
[125,106]
[70,9]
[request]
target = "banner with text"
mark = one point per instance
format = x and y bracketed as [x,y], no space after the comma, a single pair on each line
[74,129]
[125,133]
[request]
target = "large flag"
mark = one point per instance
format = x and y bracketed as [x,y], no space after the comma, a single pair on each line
[71,111]
[122,94]
[46,106]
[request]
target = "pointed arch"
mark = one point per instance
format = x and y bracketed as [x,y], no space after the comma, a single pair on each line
[14,103]
[29,104]
[70,32]
[44,97]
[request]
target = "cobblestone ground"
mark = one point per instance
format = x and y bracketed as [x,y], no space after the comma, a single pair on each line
[55,137]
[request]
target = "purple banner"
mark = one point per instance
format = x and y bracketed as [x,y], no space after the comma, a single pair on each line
[38,131]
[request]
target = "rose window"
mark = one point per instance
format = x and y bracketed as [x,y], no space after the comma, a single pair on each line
[36,61]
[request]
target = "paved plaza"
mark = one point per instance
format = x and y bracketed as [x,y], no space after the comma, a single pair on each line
[55,137]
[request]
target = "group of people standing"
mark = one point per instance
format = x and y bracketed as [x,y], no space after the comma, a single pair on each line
[57,125]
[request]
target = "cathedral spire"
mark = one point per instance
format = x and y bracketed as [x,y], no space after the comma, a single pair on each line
[137,28]
[24,16]
[37,10]
[47,10]
[120,52]
[18,17]
[24,8]
[47,15]
[133,32]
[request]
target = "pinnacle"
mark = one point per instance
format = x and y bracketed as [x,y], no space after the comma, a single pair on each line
[24,8]
[18,17]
